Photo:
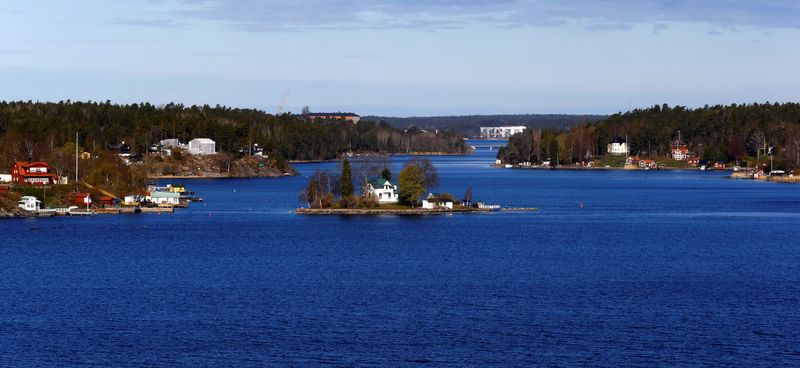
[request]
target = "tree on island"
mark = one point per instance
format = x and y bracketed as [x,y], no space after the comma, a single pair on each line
[386,174]
[411,183]
[428,170]
[346,180]
[319,191]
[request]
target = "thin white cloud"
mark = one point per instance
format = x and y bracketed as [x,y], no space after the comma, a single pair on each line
[280,15]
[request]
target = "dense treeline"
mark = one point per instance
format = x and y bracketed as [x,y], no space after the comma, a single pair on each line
[469,125]
[716,133]
[36,129]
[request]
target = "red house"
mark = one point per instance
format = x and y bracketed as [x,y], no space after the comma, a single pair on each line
[32,173]
[719,166]
[692,161]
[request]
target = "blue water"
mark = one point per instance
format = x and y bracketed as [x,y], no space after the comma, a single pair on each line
[656,268]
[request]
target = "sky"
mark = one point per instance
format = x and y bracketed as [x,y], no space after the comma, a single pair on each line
[403,57]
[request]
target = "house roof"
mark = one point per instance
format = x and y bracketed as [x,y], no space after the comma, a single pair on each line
[436,197]
[24,166]
[379,182]
[201,140]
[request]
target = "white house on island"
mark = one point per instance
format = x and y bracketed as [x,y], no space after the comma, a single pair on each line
[202,146]
[619,146]
[434,201]
[383,190]
[30,203]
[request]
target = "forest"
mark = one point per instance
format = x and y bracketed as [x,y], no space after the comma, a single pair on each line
[729,133]
[37,129]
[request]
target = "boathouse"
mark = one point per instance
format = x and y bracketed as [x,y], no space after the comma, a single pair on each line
[165,198]
[30,203]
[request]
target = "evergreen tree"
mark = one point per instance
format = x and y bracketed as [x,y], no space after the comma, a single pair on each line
[346,179]
[386,174]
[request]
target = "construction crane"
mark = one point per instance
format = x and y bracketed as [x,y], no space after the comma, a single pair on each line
[282,104]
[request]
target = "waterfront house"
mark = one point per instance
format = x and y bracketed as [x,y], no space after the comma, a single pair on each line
[719,166]
[30,203]
[32,173]
[632,160]
[680,153]
[648,164]
[693,161]
[5,178]
[383,190]
[202,146]
[437,201]
[618,146]
[164,198]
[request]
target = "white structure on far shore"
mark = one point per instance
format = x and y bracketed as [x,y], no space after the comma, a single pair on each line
[619,146]
[500,132]
[202,146]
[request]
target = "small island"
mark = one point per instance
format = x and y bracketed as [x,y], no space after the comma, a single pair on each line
[327,194]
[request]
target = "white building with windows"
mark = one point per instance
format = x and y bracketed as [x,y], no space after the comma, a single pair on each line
[618,147]
[500,132]
[30,203]
[437,201]
[383,190]
[202,146]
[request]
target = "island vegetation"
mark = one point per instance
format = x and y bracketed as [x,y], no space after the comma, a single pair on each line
[738,134]
[327,190]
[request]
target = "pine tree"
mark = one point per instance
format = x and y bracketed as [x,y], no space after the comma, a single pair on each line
[346,179]
[386,174]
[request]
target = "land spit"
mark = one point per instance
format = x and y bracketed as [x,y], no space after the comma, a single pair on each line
[404,211]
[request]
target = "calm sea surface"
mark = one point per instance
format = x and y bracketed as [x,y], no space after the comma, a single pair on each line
[656,268]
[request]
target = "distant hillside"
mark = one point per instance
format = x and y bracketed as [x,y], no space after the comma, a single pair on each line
[469,125]
[734,132]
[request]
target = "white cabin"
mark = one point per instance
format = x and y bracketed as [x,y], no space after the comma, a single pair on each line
[383,190]
[436,201]
[30,203]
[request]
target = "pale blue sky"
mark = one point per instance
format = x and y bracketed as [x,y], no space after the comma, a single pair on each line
[395,57]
